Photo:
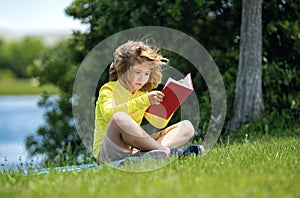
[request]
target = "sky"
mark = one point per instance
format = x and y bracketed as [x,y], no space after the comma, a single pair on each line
[37,16]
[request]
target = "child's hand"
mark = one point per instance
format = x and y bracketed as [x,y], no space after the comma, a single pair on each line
[156,97]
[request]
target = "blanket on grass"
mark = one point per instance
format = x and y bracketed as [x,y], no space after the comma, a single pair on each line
[152,155]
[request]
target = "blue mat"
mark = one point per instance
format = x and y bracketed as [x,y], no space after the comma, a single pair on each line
[39,171]
[155,155]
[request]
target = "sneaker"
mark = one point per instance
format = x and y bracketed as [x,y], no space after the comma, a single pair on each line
[193,149]
[196,149]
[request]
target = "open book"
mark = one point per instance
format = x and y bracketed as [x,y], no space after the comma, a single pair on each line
[176,93]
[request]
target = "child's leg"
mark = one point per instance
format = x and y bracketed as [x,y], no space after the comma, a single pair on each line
[176,135]
[126,133]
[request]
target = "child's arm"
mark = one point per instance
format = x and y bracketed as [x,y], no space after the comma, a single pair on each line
[108,107]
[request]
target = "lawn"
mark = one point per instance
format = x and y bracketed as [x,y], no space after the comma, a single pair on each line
[24,87]
[262,167]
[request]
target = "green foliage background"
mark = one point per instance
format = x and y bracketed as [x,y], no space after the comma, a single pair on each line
[16,55]
[215,24]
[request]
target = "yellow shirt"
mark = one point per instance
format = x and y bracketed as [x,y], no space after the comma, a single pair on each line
[113,98]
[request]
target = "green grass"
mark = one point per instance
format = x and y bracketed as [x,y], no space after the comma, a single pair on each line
[265,167]
[24,87]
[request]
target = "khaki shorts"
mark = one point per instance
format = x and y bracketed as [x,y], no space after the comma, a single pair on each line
[112,152]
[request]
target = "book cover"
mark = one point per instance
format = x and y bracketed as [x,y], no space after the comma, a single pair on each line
[176,93]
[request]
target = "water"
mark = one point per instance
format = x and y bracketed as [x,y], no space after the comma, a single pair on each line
[20,116]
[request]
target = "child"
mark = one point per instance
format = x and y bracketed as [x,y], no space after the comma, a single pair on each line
[121,106]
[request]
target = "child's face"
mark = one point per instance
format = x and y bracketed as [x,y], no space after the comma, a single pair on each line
[139,75]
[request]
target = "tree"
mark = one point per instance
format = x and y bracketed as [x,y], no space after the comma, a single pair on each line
[248,103]
[16,55]
[57,140]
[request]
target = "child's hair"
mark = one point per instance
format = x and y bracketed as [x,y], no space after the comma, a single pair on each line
[137,52]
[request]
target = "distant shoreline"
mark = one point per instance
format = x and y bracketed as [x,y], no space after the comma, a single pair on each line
[48,37]
[25,87]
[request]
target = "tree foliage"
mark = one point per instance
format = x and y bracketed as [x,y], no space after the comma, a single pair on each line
[281,58]
[215,24]
[16,55]
[57,140]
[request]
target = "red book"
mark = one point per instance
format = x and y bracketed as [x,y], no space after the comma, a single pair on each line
[175,94]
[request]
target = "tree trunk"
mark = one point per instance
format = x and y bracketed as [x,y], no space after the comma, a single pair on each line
[248,103]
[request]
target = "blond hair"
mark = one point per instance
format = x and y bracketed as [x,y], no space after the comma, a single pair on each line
[137,52]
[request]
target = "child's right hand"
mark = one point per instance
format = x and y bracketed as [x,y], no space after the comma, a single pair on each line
[155,97]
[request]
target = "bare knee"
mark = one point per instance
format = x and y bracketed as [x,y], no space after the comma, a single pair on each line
[120,122]
[117,127]
[120,118]
[188,128]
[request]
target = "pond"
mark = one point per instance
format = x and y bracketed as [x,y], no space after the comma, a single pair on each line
[20,116]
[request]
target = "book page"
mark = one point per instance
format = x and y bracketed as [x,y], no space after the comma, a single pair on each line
[186,82]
